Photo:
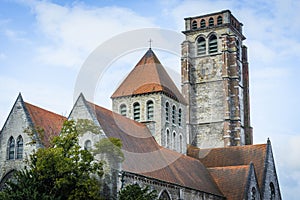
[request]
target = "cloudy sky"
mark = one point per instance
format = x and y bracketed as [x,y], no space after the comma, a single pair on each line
[44,45]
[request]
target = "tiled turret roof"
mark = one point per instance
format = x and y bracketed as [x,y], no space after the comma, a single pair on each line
[148,76]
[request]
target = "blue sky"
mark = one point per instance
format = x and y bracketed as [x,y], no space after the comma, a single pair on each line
[43,45]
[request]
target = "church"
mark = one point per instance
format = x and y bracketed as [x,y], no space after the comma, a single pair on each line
[196,143]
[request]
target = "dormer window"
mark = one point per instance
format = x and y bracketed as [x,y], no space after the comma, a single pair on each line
[194,25]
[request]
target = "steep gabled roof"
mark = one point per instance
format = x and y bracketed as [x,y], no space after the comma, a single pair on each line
[144,156]
[50,122]
[234,156]
[148,76]
[231,180]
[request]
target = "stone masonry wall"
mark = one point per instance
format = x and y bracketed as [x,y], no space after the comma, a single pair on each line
[15,126]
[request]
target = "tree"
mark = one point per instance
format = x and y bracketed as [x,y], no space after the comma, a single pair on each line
[62,171]
[135,192]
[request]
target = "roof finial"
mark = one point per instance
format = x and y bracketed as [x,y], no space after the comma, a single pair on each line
[150,42]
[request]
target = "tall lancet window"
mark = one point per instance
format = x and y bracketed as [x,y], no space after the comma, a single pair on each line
[136,111]
[11,148]
[19,147]
[173,114]
[167,111]
[179,116]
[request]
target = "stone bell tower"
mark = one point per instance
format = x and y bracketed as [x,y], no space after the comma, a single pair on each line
[215,81]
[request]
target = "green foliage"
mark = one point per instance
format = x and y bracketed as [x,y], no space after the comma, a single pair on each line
[135,192]
[111,147]
[63,171]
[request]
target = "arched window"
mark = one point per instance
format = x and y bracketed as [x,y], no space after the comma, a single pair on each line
[173,114]
[194,24]
[220,20]
[201,46]
[180,143]
[211,22]
[136,111]
[88,145]
[11,148]
[168,139]
[164,196]
[167,111]
[272,189]
[202,23]
[123,110]
[179,116]
[150,110]
[253,193]
[19,147]
[174,141]
[213,44]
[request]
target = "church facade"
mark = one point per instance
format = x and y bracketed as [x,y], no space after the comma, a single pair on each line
[193,144]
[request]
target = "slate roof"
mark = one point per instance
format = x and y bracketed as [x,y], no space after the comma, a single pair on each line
[50,122]
[144,156]
[148,76]
[234,156]
[231,180]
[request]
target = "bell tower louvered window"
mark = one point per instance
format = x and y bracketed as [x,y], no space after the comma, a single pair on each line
[150,110]
[201,46]
[220,20]
[194,25]
[202,23]
[213,44]
[136,111]
[211,22]
[123,110]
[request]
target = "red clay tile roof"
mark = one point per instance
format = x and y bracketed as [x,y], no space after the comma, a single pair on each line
[144,156]
[231,180]
[233,156]
[50,122]
[148,76]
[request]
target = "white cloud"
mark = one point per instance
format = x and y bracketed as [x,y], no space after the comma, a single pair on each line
[75,31]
